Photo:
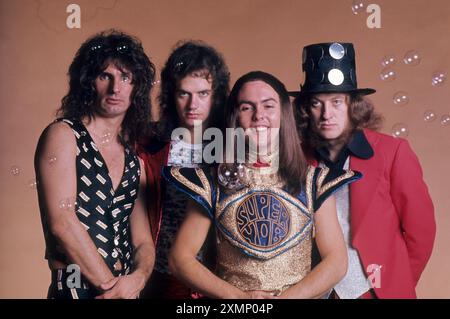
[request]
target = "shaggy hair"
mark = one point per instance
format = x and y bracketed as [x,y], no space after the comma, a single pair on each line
[192,58]
[92,58]
[361,114]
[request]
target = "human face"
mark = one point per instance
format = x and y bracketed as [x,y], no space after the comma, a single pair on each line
[193,100]
[114,87]
[260,111]
[330,115]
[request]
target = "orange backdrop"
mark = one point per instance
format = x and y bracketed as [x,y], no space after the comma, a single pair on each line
[36,48]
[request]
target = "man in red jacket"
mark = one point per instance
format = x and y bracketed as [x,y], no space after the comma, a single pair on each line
[194,88]
[387,218]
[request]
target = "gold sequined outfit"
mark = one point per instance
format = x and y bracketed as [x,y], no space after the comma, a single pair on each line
[264,234]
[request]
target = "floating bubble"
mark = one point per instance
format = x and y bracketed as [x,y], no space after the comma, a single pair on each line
[68,204]
[401,98]
[15,170]
[429,116]
[400,130]
[32,183]
[358,6]
[438,78]
[412,58]
[156,82]
[106,138]
[388,75]
[230,176]
[388,60]
[445,119]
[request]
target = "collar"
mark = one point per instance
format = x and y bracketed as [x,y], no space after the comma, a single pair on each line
[357,146]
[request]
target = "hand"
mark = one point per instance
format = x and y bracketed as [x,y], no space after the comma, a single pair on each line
[124,287]
[259,294]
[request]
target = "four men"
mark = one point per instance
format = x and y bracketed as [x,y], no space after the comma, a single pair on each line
[102,213]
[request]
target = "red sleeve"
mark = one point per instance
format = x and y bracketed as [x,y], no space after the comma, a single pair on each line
[414,207]
[153,164]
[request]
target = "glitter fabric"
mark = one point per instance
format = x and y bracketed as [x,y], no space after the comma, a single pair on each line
[355,283]
[264,234]
[254,256]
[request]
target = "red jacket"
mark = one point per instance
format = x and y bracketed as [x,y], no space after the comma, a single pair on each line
[392,215]
[155,157]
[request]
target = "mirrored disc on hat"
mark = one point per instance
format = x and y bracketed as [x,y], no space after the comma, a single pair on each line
[335,76]
[337,51]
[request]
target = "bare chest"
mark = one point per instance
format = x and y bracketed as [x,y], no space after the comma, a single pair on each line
[114,157]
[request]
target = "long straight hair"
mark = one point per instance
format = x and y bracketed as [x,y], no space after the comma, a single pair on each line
[292,162]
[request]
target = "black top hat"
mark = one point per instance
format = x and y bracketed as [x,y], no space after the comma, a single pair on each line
[330,67]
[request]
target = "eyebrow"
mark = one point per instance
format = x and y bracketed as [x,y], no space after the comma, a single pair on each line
[332,97]
[253,103]
[245,102]
[184,91]
[269,99]
[127,73]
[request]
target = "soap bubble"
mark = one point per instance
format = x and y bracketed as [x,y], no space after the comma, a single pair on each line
[106,138]
[445,119]
[400,130]
[388,60]
[388,75]
[412,58]
[15,170]
[358,6]
[429,116]
[68,204]
[32,183]
[438,78]
[401,98]
[230,176]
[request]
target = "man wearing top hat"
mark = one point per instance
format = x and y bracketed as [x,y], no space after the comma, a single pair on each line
[387,217]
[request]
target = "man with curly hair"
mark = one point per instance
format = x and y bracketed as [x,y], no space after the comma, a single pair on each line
[90,181]
[194,89]
[387,217]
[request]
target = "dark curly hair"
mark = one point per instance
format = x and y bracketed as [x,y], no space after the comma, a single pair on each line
[361,114]
[187,58]
[292,161]
[90,60]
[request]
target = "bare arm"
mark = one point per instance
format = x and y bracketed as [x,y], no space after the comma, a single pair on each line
[184,264]
[333,251]
[144,251]
[55,167]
